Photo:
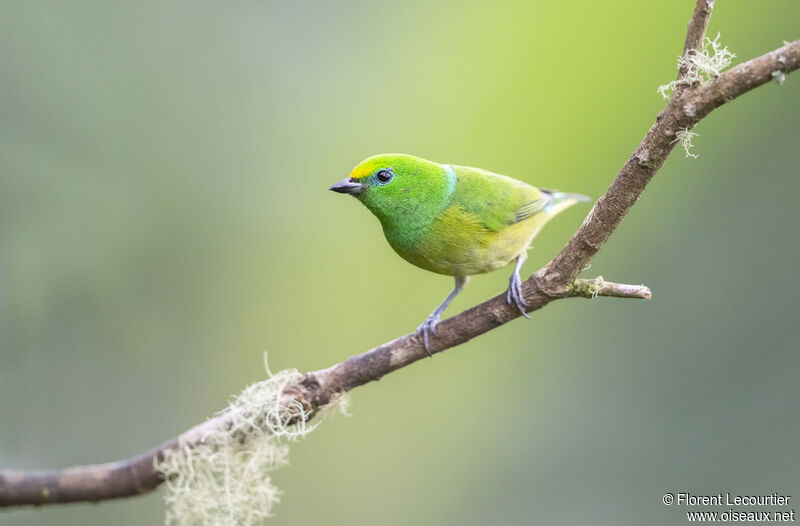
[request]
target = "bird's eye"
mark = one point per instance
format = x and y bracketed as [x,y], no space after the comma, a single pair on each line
[384,176]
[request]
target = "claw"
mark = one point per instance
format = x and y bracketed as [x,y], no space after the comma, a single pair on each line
[427,328]
[514,294]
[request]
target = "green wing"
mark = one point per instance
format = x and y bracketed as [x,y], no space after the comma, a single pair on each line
[497,200]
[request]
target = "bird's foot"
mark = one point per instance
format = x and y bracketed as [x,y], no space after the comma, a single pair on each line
[427,328]
[514,294]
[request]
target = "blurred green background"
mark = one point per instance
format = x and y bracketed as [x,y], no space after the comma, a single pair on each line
[165,219]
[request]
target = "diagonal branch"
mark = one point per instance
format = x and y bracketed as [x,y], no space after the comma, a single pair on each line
[683,112]
[136,475]
[556,280]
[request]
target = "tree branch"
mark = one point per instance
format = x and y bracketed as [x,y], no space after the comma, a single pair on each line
[695,32]
[556,280]
[315,389]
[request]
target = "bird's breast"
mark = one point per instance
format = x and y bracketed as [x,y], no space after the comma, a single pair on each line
[457,243]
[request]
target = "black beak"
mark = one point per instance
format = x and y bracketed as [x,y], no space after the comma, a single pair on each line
[347,186]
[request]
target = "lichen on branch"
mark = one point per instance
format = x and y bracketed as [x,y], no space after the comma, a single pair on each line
[700,65]
[224,477]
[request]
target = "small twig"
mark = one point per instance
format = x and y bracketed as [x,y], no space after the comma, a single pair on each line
[695,33]
[591,288]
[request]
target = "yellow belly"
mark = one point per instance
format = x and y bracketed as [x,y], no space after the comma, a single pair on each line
[457,244]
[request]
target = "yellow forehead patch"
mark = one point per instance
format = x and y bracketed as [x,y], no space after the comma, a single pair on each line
[366,168]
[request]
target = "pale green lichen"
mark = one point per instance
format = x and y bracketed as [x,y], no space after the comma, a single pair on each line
[588,288]
[701,66]
[709,62]
[684,137]
[594,290]
[224,479]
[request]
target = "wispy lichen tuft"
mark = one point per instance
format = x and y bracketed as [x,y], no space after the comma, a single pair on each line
[701,66]
[709,62]
[224,479]
[684,137]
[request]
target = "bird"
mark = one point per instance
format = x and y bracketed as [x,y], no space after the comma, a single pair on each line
[454,220]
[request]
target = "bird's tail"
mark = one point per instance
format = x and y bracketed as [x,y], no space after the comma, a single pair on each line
[561,201]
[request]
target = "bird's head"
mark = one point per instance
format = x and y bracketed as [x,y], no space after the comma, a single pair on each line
[394,186]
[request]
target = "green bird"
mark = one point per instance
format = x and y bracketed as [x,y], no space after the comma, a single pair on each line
[454,220]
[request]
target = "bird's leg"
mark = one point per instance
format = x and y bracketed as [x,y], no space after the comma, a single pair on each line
[428,326]
[514,294]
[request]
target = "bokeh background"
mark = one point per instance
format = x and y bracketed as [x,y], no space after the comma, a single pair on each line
[165,219]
